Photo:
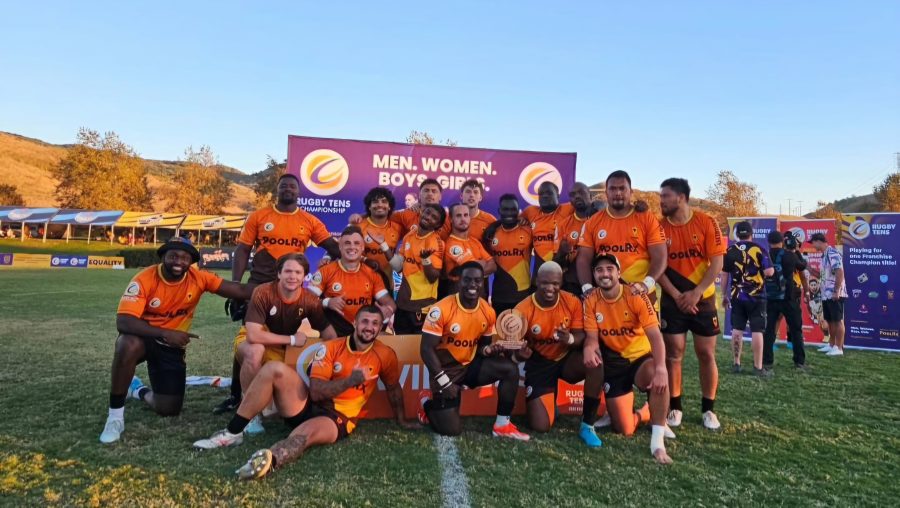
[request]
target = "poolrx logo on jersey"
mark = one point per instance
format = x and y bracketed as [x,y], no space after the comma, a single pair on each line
[531,178]
[324,172]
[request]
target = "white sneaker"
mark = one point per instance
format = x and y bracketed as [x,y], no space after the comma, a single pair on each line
[603,421]
[674,418]
[667,433]
[710,421]
[220,439]
[825,349]
[112,431]
[255,426]
[835,352]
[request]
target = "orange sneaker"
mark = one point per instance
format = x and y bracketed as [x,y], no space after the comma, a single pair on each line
[424,395]
[509,430]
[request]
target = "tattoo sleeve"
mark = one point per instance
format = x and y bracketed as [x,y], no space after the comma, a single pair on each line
[288,450]
[324,390]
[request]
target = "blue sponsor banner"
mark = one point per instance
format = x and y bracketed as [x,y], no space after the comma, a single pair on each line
[871,255]
[762,226]
[68,261]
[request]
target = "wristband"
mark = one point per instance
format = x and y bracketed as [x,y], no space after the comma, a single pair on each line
[293,340]
[442,379]
[384,246]
[426,261]
[571,339]
[586,287]
[649,282]
[325,302]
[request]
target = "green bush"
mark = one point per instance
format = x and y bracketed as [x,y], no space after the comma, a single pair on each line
[139,258]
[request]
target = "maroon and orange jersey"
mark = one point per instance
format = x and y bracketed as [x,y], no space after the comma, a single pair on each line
[620,324]
[511,249]
[459,328]
[392,233]
[165,304]
[628,238]
[275,234]
[543,323]
[337,360]
[415,290]
[458,251]
[359,287]
[283,317]
[544,227]
[691,245]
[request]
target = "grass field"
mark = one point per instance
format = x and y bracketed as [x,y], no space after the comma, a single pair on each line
[828,437]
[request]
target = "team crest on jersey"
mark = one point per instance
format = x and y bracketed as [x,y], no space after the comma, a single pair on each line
[696,240]
[601,234]
[190,296]
[337,287]
[536,329]
[495,242]
[155,303]
[369,239]
[133,289]
[742,246]
[338,367]
[573,235]
[634,231]
[456,250]
[455,328]
[669,241]
[317,278]
[533,225]
[269,226]
[320,354]
[408,246]
[434,314]
[273,311]
[599,317]
[300,311]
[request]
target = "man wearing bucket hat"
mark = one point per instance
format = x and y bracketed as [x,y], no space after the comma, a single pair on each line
[153,320]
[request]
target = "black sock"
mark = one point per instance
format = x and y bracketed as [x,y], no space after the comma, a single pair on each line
[706,404]
[675,403]
[236,380]
[116,401]
[143,391]
[237,424]
[589,409]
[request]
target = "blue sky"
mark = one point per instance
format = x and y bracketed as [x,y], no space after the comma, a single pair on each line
[800,98]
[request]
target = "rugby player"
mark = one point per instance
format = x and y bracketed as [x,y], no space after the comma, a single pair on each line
[347,284]
[544,220]
[273,231]
[419,258]
[635,237]
[381,235]
[472,194]
[555,338]
[456,348]
[342,377]
[569,232]
[153,320]
[273,320]
[430,192]
[461,247]
[510,244]
[696,249]
[622,333]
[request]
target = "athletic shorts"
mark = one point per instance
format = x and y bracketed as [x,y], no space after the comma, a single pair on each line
[618,380]
[832,310]
[341,326]
[542,375]
[166,366]
[313,410]
[743,311]
[459,374]
[703,324]
[272,354]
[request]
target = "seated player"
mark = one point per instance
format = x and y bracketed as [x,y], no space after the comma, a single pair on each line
[555,336]
[347,284]
[461,247]
[622,333]
[343,376]
[153,320]
[419,257]
[456,348]
[273,320]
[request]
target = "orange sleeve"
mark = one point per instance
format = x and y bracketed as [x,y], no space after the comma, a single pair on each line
[211,282]
[377,283]
[134,300]
[715,244]
[530,213]
[577,315]
[655,233]
[390,369]
[586,238]
[587,315]
[258,307]
[491,315]
[642,305]
[323,368]
[318,232]
[479,252]
[248,234]
[437,259]
[435,320]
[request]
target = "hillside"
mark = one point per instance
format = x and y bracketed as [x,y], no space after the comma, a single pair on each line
[26,162]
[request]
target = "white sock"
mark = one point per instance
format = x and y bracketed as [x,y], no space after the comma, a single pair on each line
[656,438]
[117,414]
[501,421]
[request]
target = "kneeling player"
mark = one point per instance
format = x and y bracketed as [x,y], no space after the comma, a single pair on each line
[342,378]
[555,336]
[623,328]
[455,328]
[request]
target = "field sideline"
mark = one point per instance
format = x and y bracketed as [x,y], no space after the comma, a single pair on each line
[823,438]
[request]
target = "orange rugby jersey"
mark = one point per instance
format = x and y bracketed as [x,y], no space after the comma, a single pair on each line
[391,231]
[358,287]
[511,249]
[409,221]
[691,245]
[478,223]
[544,227]
[415,290]
[628,238]
[460,329]
[275,234]
[620,325]
[165,304]
[458,251]
[337,361]
[544,321]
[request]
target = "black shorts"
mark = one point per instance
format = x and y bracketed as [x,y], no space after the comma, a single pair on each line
[166,366]
[833,311]
[743,311]
[341,326]
[703,324]
[459,374]
[542,375]
[618,380]
[313,410]
[408,322]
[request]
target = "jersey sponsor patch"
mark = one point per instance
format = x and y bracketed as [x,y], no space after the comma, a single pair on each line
[455,328]
[536,329]
[434,314]
[133,289]
[269,226]
[317,278]
[273,311]
[456,250]
[320,353]
[599,317]
[337,367]
[337,286]
[601,234]
[156,302]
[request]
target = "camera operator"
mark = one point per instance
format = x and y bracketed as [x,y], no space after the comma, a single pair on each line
[783,291]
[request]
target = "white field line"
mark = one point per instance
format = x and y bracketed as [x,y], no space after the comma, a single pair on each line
[454,485]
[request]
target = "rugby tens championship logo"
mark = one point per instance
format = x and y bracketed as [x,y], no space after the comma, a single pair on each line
[324,172]
[859,229]
[531,178]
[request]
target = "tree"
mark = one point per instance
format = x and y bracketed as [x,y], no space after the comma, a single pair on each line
[199,188]
[9,195]
[102,172]
[737,198]
[888,193]
[423,138]
[266,181]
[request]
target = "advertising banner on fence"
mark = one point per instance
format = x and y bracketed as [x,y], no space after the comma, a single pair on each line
[336,174]
[871,253]
[107,262]
[212,258]
[813,322]
[31,260]
[68,261]
[762,226]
